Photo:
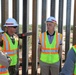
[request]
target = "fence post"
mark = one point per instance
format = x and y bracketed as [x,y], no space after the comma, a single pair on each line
[43,25]
[74,26]
[68,18]
[34,38]
[60,22]
[24,40]
[4,11]
[52,13]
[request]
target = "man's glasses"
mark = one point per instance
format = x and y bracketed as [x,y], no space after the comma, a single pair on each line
[15,27]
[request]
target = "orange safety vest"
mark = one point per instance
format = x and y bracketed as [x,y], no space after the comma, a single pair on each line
[3,69]
[49,52]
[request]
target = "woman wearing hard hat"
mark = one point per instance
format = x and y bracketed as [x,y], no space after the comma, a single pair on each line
[49,48]
[4,63]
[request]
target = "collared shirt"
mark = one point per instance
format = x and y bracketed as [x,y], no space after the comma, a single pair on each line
[69,63]
[50,37]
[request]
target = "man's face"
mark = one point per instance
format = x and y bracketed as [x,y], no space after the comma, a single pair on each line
[12,29]
[50,26]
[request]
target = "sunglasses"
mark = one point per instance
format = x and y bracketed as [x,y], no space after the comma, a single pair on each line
[15,27]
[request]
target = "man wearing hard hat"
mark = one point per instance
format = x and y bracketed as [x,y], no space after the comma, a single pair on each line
[10,43]
[4,62]
[49,48]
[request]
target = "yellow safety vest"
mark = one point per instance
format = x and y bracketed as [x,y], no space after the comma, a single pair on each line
[74,73]
[10,48]
[49,52]
[3,69]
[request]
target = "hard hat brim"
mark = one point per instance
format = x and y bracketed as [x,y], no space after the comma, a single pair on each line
[10,25]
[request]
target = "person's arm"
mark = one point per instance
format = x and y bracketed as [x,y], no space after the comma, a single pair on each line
[69,64]
[23,35]
[3,59]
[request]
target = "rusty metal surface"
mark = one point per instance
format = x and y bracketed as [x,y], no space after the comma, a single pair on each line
[34,38]
[74,26]
[24,40]
[4,11]
[15,14]
[52,10]
[68,19]
[16,9]
[43,25]
[60,21]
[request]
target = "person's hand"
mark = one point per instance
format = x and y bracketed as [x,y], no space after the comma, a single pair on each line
[9,59]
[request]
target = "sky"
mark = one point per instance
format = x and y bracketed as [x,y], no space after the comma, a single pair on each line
[39,11]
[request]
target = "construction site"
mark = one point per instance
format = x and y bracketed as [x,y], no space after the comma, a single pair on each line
[28,63]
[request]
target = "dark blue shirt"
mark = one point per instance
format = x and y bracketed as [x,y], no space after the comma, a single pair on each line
[69,63]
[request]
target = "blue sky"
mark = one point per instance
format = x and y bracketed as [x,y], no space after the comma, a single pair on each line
[39,11]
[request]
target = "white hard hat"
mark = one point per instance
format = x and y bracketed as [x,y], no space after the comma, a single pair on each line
[11,22]
[1,31]
[51,19]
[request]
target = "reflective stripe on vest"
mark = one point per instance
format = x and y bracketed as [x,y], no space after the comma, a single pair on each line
[7,45]
[12,52]
[49,52]
[3,70]
[74,73]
